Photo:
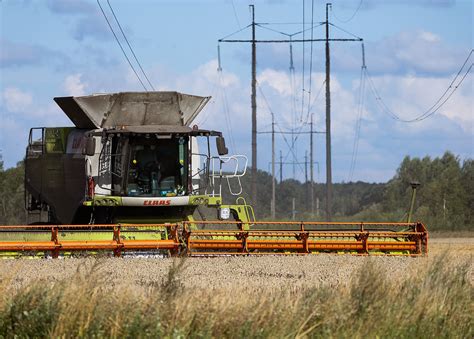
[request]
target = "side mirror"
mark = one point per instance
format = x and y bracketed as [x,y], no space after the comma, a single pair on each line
[89,148]
[220,143]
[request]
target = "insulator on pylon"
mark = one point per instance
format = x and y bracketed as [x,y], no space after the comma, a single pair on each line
[219,68]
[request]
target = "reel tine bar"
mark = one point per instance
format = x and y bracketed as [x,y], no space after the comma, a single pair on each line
[33,238]
[306,237]
[213,238]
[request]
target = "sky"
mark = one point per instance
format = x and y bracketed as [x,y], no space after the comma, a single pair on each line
[413,51]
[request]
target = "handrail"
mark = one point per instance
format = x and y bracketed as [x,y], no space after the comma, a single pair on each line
[214,171]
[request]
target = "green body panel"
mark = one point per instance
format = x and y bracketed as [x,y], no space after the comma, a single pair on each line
[155,218]
[83,235]
[242,212]
[108,200]
[205,200]
[150,220]
[111,200]
[77,235]
[56,139]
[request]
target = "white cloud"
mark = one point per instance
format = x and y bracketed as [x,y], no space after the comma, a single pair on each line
[16,54]
[416,51]
[286,98]
[383,142]
[277,80]
[91,26]
[16,100]
[410,96]
[225,111]
[411,51]
[21,107]
[429,37]
[208,72]
[73,7]
[73,85]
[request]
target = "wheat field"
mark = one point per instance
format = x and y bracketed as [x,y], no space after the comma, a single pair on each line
[240,297]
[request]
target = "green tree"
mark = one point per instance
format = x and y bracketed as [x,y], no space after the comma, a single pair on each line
[443,199]
[12,209]
[468,183]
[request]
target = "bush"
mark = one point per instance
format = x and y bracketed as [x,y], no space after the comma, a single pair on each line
[436,302]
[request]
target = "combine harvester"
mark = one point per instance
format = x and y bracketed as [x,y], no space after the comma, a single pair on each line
[129,177]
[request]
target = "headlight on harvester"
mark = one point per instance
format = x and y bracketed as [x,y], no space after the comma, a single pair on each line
[224,213]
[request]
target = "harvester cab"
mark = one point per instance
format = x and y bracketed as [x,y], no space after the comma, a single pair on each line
[131,158]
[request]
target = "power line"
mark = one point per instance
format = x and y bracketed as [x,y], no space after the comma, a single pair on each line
[317,96]
[303,132]
[129,46]
[276,122]
[360,108]
[302,77]
[264,26]
[292,85]
[204,116]
[291,149]
[121,47]
[307,118]
[311,60]
[280,23]
[345,31]
[231,34]
[293,138]
[286,41]
[235,14]
[435,107]
[226,110]
[352,16]
[273,30]
[307,29]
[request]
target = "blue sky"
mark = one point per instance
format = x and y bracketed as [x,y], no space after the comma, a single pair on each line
[413,50]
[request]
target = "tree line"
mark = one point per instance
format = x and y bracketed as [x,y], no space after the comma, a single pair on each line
[445,198]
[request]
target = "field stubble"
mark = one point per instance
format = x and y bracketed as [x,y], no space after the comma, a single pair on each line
[317,295]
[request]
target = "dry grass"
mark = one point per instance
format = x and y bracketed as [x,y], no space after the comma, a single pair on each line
[431,300]
[452,234]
